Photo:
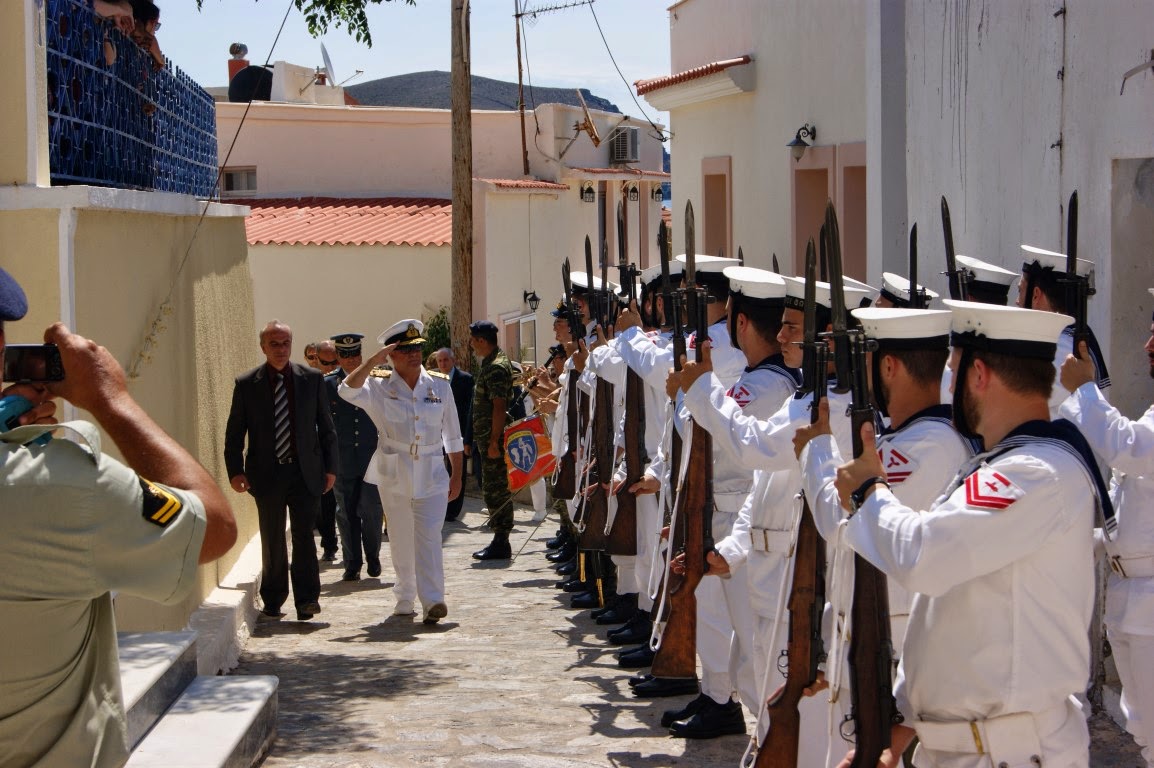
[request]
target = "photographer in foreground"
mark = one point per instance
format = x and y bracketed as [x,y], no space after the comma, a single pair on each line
[79,525]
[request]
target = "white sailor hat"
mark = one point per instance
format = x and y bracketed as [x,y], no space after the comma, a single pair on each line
[404,333]
[1009,330]
[896,289]
[985,272]
[649,274]
[753,283]
[1052,259]
[906,328]
[580,282]
[710,264]
[795,293]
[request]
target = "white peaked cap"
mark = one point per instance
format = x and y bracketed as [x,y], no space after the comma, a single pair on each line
[403,332]
[649,274]
[986,272]
[1006,323]
[704,263]
[900,286]
[1054,259]
[795,289]
[903,322]
[581,280]
[755,283]
[851,282]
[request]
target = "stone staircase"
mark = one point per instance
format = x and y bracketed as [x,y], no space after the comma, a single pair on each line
[179,719]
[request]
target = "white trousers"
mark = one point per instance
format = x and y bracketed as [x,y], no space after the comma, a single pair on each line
[415,547]
[537,494]
[725,639]
[648,531]
[1137,678]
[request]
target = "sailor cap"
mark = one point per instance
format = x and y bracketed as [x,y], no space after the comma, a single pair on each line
[896,288]
[928,327]
[405,333]
[710,264]
[795,293]
[1009,330]
[1052,259]
[649,274]
[753,283]
[986,272]
[581,282]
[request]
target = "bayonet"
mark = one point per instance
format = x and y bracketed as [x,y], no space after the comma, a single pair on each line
[958,279]
[918,298]
[603,315]
[740,256]
[841,349]
[809,324]
[592,300]
[1078,287]
[776,268]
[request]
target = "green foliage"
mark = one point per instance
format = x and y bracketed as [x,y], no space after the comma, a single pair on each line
[436,332]
[321,14]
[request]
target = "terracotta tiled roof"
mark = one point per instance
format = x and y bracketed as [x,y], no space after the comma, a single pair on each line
[640,173]
[648,86]
[348,221]
[525,184]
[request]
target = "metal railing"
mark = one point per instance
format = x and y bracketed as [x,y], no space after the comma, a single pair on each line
[123,124]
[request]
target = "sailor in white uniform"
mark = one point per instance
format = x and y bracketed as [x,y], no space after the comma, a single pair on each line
[986,283]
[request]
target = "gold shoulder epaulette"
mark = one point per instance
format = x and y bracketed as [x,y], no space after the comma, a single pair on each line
[437,374]
[381,373]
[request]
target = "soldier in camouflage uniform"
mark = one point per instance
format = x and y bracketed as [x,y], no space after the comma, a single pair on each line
[491,395]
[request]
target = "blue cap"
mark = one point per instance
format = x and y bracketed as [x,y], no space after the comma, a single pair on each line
[347,342]
[485,329]
[13,302]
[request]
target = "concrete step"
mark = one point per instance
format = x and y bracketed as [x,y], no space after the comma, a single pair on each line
[218,722]
[155,667]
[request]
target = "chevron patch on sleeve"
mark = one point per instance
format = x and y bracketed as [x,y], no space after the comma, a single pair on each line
[160,507]
[897,465]
[990,489]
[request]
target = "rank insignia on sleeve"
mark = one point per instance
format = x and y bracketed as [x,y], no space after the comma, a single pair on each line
[160,506]
[898,466]
[741,394]
[989,489]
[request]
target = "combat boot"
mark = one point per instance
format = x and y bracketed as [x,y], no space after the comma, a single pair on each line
[638,630]
[621,611]
[498,548]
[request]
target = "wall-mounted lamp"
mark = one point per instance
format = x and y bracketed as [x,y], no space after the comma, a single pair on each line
[634,194]
[588,192]
[531,298]
[799,145]
[658,194]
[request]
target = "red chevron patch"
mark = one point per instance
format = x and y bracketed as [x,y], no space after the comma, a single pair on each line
[988,489]
[742,395]
[898,467]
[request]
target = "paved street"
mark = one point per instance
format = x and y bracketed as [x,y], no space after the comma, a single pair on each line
[513,676]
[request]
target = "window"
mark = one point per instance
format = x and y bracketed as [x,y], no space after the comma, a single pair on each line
[237,182]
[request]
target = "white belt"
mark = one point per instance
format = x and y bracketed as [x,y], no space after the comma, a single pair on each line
[412,449]
[1132,567]
[770,540]
[1009,739]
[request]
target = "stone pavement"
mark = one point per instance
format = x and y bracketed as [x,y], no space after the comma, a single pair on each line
[513,676]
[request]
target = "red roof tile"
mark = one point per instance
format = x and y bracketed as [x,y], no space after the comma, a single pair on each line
[657,83]
[348,221]
[638,172]
[525,184]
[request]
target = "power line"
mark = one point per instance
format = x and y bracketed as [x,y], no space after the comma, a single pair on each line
[659,135]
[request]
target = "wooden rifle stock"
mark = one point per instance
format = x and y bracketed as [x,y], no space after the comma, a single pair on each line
[596,502]
[565,485]
[623,532]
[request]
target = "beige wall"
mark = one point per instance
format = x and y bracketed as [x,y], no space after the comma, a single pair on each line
[322,290]
[24,119]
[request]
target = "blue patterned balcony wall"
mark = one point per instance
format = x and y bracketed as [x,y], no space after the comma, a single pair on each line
[126,124]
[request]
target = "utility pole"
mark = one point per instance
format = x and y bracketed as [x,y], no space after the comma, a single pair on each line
[461,99]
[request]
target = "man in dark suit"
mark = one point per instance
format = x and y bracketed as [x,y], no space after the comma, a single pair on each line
[461,383]
[290,461]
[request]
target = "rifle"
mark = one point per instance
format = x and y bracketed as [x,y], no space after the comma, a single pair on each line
[672,312]
[959,279]
[676,649]
[565,483]
[870,651]
[807,594]
[1078,287]
[919,299]
[596,505]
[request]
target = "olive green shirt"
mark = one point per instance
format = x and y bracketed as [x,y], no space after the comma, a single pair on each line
[493,382]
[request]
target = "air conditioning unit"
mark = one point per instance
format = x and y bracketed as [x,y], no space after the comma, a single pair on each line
[625,145]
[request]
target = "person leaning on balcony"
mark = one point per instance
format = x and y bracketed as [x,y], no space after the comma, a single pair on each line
[119,12]
[146,18]
[78,525]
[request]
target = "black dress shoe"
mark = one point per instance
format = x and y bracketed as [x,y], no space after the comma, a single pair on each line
[306,611]
[610,609]
[576,585]
[566,581]
[711,721]
[585,600]
[560,540]
[671,716]
[659,687]
[567,568]
[636,658]
[374,568]
[638,630]
[639,678]
[272,613]
[566,552]
[351,576]
[329,556]
[623,611]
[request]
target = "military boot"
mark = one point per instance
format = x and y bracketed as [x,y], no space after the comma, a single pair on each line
[498,548]
[711,721]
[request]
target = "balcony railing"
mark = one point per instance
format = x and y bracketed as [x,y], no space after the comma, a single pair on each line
[123,125]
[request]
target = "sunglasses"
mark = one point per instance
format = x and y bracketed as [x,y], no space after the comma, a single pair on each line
[346,353]
[406,350]
[310,357]
[322,361]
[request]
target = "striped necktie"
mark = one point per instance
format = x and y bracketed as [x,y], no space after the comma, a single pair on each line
[280,416]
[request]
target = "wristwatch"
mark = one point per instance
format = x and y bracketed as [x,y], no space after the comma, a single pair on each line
[858,497]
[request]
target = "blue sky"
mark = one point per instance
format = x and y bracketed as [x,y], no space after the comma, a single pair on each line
[564,47]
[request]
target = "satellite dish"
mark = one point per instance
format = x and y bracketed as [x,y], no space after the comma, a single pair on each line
[587,125]
[332,76]
[252,83]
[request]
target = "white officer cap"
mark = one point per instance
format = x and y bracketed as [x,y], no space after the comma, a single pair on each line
[1009,330]
[897,289]
[795,293]
[580,282]
[754,283]
[929,328]
[710,264]
[404,333]
[1052,259]
[987,273]
[850,282]
[649,274]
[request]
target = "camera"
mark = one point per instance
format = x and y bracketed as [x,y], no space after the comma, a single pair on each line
[32,363]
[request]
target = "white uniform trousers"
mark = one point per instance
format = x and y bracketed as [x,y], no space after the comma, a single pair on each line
[648,531]
[415,546]
[1137,678]
[626,573]
[725,638]
[537,494]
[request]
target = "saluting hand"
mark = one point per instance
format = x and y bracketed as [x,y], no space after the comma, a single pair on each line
[804,434]
[850,476]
